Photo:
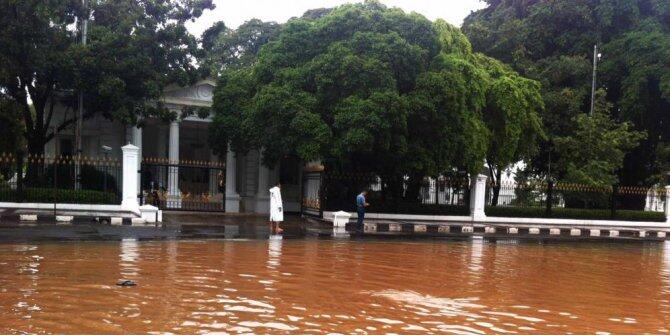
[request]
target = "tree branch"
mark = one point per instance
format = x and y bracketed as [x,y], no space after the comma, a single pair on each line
[40,105]
[23,100]
[51,113]
[64,125]
[492,172]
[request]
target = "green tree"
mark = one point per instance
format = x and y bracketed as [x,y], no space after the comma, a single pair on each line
[134,50]
[594,153]
[370,89]
[552,42]
[228,49]
[511,113]
[11,127]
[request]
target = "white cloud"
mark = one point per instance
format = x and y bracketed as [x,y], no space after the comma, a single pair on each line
[236,12]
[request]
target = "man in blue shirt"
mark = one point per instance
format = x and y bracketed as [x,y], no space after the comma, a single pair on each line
[360,209]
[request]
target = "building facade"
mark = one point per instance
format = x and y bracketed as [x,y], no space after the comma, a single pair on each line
[186,164]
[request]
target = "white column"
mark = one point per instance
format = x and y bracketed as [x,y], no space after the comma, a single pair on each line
[263,191]
[667,204]
[232,198]
[173,172]
[478,197]
[130,180]
[135,138]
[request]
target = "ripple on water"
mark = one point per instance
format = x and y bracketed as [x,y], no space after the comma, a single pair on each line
[331,288]
[268,325]
[478,319]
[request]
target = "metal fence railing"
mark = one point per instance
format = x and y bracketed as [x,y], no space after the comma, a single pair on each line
[444,191]
[397,194]
[450,195]
[62,179]
[571,200]
[184,185]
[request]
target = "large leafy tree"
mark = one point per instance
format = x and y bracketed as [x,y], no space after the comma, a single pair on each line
[552,41]
[228,49]
[11,127]
[370,89]
[595,151]
[135,49]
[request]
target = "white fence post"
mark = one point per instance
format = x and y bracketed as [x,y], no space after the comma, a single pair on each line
[130,177]
[478,197]
[667,204]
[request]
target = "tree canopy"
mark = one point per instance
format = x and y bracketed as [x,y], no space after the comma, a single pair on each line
[10,126]
[228,49]
[596,149]
[552,42]
[134,50]
[368,88]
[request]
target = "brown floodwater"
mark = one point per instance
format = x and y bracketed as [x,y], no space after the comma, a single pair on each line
[313,286]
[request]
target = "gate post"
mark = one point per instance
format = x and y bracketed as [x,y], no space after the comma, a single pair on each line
[130,178]
[478,197]
[667,204]
[232,199]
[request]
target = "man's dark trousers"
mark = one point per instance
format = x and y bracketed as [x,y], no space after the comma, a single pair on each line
[361,216]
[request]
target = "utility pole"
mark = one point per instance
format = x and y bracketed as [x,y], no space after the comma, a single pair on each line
[80,118]
[596,58]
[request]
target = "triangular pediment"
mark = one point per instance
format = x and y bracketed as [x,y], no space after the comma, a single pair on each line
[199,94]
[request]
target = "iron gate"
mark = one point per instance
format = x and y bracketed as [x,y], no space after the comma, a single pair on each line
[312,192]
[183,186]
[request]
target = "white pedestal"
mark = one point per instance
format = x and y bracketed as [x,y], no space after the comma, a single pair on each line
[478,198]
[130,178]
[232,198]
[341,218]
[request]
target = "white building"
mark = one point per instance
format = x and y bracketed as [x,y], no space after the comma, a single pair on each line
[185,142]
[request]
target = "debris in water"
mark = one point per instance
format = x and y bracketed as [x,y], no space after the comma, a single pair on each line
[126,282]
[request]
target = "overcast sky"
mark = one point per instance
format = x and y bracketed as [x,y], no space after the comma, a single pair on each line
[236,12]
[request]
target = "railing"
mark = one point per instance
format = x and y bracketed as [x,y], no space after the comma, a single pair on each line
[397,194]
[184,185]
[444,191]
[570,200]
[45,179]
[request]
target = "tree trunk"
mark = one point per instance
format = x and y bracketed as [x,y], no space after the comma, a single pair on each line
[413,188]
[19,175]
[495,174]
[33,170]
[496,188]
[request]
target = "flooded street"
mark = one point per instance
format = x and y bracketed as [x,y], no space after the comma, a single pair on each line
[326,286]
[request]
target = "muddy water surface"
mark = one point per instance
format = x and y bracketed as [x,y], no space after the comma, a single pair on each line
[321,287]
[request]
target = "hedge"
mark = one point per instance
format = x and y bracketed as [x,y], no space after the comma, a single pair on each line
[409,208]
[574,213]
[66,196]
[420,209]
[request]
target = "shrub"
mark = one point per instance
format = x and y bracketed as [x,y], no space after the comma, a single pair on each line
[574,213]
[92,178]
[49,195]
[419,209]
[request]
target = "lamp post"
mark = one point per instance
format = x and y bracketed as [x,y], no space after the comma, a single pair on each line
[596,58]
[106,150]
[80,103]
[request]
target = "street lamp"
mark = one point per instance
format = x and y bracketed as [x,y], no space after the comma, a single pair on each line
[596,57]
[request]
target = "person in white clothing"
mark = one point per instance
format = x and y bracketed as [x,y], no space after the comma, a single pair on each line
[276,209]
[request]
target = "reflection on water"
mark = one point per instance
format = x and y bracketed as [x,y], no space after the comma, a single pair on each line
[309,286]
[274,253]
[128,257]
